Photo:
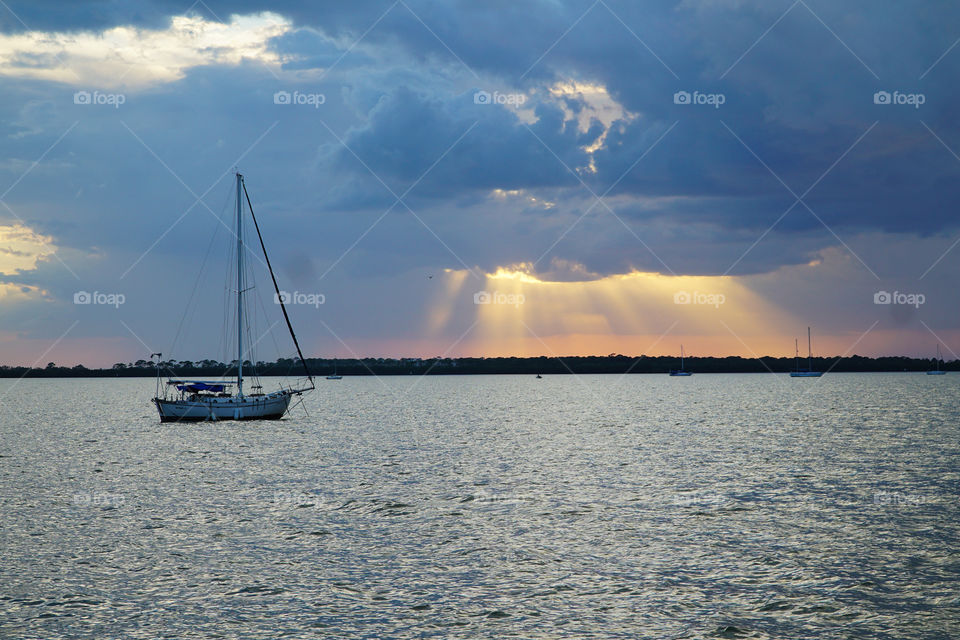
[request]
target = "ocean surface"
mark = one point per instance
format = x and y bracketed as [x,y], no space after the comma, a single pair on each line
[639,506]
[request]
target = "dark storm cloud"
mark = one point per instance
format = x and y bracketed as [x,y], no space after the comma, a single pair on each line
[401,100]
[799,99]
[482,147]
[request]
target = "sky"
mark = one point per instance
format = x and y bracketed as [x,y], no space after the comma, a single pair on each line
[550,177]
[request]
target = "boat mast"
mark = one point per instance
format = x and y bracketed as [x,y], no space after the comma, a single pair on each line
[796,354]
[681,357]
[239,290]
[809,352]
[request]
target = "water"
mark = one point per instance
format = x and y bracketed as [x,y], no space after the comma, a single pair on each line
[488,507]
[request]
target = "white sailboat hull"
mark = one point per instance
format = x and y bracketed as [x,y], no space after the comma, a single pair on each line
[266,407]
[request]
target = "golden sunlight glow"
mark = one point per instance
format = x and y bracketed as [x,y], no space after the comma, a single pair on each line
[519,313]
[442,310]
[130,57]
[522,271]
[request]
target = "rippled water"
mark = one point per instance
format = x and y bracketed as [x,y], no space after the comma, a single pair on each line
[488,507]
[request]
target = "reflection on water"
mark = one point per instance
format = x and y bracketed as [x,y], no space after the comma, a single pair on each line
[503,506]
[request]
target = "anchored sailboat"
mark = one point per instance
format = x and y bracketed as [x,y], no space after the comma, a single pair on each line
[681,371]
[191,400]
[937,371]
[808,372]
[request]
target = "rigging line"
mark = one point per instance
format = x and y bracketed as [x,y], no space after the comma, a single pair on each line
[254,320]
[273,338]
[196,284]
[229,311]
[300,402]
[250,320]
[252,315]
[251,354]
[276,287]
[189,310]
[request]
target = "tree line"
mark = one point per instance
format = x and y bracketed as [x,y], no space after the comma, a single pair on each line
[613,363]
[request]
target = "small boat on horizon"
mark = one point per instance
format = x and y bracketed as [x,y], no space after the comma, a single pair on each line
[808,372]
[334,376]
[681,371]
[937,371]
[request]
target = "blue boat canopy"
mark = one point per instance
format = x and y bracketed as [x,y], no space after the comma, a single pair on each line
[201,386]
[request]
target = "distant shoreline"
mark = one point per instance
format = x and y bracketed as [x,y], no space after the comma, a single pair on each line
[615,364]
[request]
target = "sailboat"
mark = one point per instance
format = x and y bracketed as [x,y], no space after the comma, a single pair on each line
[334,376]
[681,371]
[194,400]
[808,372]
[937,371]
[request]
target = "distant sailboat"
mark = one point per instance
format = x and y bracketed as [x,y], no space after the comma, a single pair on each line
[334,376]
[937,371]
[193,400]
[808,372]
[681,371]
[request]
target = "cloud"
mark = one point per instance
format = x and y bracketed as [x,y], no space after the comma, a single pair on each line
[457,144]
[21,249]
[128,56]
[692,188]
